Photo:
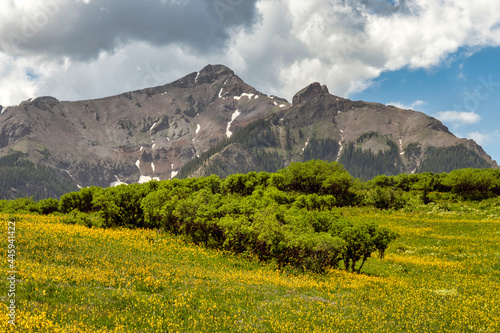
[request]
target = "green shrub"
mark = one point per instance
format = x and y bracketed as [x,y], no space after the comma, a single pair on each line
[87,220]
[386,198]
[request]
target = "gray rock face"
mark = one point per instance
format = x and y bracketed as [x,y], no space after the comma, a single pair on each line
[152,133]
[308,93]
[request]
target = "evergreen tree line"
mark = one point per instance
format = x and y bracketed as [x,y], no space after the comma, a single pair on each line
[322,149]
[18,177]
[365,164]
[446,159]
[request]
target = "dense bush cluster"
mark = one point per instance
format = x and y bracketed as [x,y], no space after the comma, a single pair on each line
[465,184]
[283,217]
[286,217]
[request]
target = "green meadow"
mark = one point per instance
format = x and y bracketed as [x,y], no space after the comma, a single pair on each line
[441,275]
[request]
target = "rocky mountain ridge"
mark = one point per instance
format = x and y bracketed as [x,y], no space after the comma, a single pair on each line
[135,136]
[368,138]
[154,132]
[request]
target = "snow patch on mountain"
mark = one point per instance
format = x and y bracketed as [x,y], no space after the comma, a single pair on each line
[305,146]
[173,173]
[341,147]
[117,183]
[243,95]
[233,118]
[147,179]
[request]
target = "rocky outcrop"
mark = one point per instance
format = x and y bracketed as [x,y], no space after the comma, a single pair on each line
[44,103]
[313,90]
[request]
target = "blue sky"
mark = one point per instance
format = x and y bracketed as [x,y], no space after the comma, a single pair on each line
[439,57]
[465,84]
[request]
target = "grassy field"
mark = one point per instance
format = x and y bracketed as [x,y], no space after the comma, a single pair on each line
[441,275]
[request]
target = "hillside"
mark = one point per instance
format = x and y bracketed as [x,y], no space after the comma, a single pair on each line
[441,275]
[213,122]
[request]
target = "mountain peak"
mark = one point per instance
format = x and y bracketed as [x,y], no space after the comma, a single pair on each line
[216,68]
[311,91]
[44,102]
[212,73]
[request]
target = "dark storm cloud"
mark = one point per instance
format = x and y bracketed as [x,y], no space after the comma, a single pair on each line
[82,31]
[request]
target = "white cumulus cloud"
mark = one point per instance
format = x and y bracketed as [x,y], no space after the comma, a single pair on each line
[413,106]
[85,49]
[482,138]
[458,118]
